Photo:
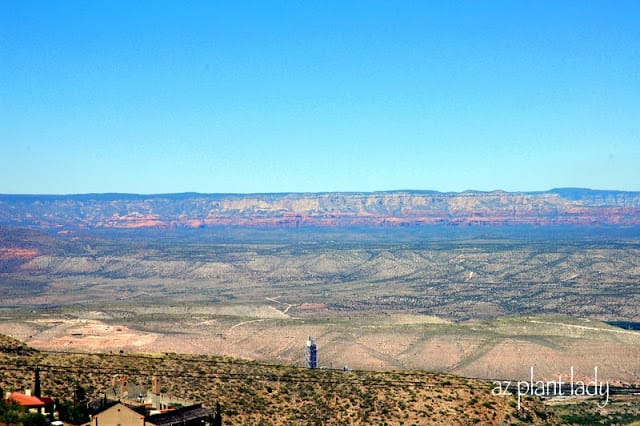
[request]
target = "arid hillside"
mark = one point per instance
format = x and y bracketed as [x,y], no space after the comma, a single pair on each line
[488,302]
[477,302]
[506,348]
[253,393]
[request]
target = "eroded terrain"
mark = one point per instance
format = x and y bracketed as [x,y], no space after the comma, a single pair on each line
[503,348]
[486,304]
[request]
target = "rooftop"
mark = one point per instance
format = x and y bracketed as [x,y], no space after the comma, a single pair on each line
[26,400]
[182,414]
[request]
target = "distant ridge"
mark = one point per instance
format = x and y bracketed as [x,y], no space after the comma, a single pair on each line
[559,206]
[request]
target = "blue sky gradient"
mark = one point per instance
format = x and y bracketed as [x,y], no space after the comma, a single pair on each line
[267,96]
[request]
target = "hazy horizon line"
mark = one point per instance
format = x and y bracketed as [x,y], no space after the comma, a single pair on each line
[551,190]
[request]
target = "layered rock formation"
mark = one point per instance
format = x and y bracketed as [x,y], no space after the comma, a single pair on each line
[395,208]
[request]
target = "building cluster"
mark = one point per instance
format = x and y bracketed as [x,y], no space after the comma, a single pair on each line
[125,404]
[120,414]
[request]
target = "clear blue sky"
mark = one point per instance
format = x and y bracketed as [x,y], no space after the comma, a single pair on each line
[265,96]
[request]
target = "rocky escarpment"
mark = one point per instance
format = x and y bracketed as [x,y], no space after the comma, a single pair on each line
[397,208]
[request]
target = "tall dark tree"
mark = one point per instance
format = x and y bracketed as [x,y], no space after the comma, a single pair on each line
[217,420]
[36,386]
[80,395]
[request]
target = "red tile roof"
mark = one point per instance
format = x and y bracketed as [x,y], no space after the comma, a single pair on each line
[25,400]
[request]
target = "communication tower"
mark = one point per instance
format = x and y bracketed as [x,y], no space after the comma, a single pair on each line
[311,353]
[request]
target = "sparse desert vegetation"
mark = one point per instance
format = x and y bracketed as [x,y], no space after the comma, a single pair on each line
[465,275]
[255,393]
[452,301]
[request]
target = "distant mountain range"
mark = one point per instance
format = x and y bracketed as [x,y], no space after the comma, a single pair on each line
[392,208]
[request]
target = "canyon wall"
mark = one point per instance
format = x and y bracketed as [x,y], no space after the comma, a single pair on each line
[393,208]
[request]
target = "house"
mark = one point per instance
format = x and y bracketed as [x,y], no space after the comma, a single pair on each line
[124,415]
[26,401]
[118,415]
[35,402]
[32,403]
